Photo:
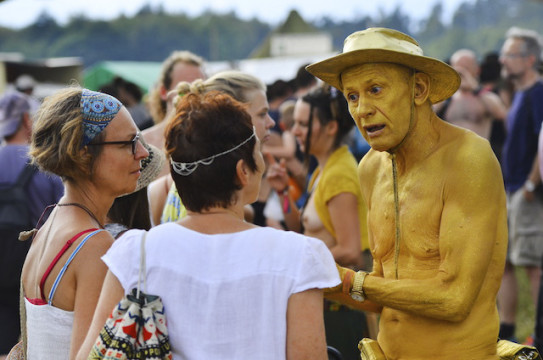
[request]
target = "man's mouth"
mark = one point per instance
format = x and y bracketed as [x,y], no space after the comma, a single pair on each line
[374,128]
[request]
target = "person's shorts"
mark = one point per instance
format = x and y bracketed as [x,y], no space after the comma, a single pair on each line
[525,229]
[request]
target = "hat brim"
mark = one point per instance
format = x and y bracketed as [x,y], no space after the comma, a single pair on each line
[444,79]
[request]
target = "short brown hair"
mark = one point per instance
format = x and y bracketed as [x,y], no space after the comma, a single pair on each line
[205,125]
[57,136]
[156,104]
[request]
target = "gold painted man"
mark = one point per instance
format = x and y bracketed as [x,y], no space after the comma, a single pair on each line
[436,204]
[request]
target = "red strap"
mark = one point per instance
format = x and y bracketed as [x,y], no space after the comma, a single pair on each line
[55,260]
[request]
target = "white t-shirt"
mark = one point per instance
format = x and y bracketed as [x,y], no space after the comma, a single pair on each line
[225,295]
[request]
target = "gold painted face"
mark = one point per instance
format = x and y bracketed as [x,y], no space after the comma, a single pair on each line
[379,98]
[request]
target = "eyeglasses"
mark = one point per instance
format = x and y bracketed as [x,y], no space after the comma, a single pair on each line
[513,55]
[133,142]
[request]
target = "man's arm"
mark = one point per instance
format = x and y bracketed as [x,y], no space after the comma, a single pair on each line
[494,106]
[534,177]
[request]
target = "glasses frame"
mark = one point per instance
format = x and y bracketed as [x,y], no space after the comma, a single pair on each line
[133,142]
[519,55]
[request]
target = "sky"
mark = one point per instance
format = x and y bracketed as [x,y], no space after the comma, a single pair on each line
[20,13]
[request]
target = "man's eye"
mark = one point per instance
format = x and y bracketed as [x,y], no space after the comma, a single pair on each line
[375,89]
[352,97]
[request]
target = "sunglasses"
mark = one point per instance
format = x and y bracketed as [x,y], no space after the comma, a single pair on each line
[133,143]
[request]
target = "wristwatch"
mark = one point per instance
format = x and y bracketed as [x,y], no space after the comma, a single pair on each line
[529,186]
[357,292]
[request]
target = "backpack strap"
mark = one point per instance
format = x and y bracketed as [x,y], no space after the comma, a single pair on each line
[25,175]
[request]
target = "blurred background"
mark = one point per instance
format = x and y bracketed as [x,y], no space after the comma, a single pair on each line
[59,41]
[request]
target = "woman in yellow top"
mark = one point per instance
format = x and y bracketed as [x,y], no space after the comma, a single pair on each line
[334,209]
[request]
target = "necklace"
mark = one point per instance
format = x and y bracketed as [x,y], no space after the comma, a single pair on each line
[86,209]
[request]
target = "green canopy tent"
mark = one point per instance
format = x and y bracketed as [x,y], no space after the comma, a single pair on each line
[143,74]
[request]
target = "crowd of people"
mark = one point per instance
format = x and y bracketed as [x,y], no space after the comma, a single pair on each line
[271,232]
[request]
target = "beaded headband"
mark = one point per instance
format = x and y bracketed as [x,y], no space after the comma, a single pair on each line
[185,169]
[98,110]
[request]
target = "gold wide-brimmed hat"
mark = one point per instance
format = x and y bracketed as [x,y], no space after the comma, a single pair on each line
[382,45]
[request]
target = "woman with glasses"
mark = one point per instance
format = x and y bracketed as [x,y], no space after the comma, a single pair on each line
[230,289]
[90,140]
[334,208]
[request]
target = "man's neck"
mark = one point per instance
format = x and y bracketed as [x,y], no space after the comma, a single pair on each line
[527,81]
[421,141]
[18,139]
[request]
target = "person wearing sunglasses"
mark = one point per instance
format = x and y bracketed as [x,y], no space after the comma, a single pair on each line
[90,140]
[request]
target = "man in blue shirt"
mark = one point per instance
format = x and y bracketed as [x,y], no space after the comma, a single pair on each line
[520,58]
[42,190]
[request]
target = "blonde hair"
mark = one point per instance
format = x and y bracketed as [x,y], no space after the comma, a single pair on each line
[57,136]
[232,82]
[157,105]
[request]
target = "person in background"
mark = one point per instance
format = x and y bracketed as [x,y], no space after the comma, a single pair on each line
[538,332]
[491,81]
[288,150]
[90,141]
[42,190]
[179,66]
[304,82]
[335,210]
[130,95]
[247,291]
[26,84]
[470,107]
[520,57]
[437,216]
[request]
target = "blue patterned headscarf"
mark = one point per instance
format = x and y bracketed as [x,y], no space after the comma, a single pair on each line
[98,110]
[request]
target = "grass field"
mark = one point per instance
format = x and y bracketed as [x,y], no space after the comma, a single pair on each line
[525,307]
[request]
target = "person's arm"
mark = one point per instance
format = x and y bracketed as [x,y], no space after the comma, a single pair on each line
[158,192]
[305,326]
[343,210]
[534,177]
[278,179]
[112,293]
[494,106]
[342,292]
[89,272]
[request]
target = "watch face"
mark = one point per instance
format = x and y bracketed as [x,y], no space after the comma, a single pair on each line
[357,296]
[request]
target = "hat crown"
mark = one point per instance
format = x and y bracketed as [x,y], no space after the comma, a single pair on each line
[381,39]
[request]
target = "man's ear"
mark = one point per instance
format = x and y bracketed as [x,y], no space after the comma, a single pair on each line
[27,121]
[242,172]
[422,88]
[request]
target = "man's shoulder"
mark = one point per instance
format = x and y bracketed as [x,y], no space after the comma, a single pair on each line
[535,92]
[462,143]
[468,138]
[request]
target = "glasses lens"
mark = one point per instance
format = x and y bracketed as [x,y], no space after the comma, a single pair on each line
[135,143]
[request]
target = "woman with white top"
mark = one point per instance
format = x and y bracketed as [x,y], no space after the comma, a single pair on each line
[231,289]
[90,140]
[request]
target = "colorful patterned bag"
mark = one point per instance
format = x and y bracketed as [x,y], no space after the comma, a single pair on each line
[136,329]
